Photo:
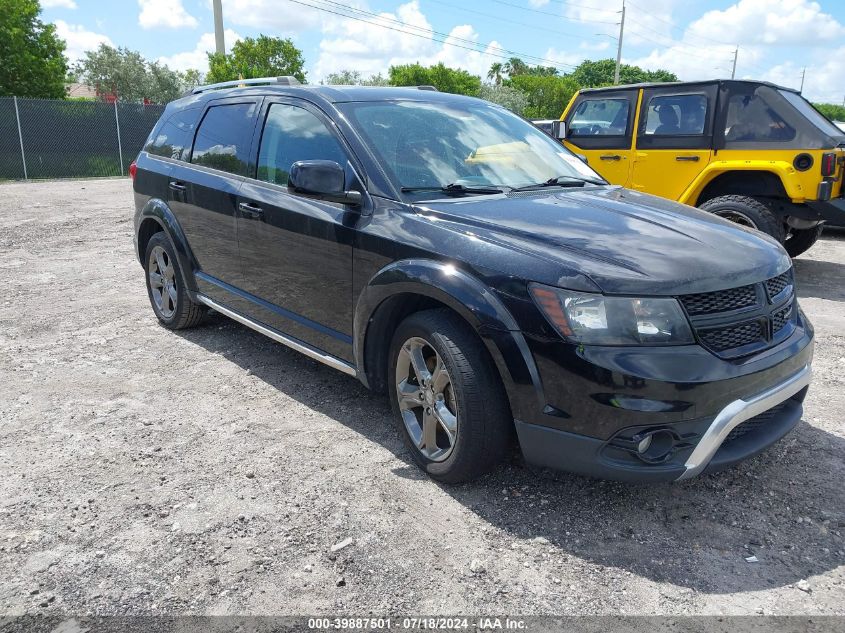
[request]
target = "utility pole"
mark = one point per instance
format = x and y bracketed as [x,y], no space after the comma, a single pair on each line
[803,72]
[736,54]
[619,46]
[220,44]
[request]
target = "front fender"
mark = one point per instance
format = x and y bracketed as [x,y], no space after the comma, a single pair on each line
[476,303]
[158,211]
[783,170]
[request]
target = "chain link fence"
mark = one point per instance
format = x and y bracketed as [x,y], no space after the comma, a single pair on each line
[47,138]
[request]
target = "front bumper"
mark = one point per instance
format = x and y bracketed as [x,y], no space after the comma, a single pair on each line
[717,412]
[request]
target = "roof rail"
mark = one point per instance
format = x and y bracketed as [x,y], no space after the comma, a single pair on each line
[427,88]
[260,81]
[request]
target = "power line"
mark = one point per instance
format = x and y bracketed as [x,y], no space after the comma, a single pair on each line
[442,38]
[557,15]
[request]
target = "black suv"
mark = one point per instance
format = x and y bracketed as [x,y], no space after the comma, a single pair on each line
[450,254]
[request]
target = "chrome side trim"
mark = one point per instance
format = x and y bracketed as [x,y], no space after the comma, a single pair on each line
[738,412]
[294,344]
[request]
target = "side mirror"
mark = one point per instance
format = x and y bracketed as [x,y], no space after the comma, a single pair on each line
[583,158]
[559,130]
[322,178]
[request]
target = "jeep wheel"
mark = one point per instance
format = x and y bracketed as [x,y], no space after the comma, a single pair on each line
[746,211]
[165,287]
[799,240]
[447,397]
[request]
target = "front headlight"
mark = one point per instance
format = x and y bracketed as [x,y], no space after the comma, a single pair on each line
[594,319]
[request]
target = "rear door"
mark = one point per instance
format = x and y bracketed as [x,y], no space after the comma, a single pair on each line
[296,251]
[600,126]
[204,190]
[674,138]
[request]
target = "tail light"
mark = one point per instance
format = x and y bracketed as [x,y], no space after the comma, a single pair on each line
[829,164]
[133,168]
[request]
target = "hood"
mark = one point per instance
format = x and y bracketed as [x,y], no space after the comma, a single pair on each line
[626,242]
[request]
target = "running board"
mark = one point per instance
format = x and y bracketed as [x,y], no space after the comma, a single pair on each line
[294,344]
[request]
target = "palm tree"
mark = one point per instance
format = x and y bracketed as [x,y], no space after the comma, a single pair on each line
[496,73]
[515,66]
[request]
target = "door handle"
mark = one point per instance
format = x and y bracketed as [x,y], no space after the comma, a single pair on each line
[610,157]
[177,186]
[693,159]
[251,211]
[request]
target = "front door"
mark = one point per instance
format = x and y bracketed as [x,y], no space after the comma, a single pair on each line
[600,125]
[296,251]
[674,139]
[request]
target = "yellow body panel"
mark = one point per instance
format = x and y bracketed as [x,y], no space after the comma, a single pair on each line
[682,175]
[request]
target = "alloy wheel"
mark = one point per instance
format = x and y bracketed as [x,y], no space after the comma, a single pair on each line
[162,281]
[426,399]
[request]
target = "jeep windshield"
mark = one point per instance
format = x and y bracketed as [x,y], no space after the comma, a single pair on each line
[429,149]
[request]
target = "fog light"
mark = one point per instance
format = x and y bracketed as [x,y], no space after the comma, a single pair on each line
[654,447]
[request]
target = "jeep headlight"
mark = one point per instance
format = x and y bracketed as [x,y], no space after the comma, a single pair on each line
[594,319]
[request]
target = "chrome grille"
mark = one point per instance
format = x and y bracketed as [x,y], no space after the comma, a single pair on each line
[720,301]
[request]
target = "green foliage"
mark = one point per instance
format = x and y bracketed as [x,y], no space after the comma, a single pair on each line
[590,74]
[257,57]
[442,77]
[354,78]
[832,111]
[32,61]
[508,97]
[131,77]
[547,95]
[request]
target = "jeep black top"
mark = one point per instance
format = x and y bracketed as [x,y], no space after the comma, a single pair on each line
[444,251]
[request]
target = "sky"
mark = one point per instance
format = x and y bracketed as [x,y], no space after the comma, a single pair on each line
[776,39]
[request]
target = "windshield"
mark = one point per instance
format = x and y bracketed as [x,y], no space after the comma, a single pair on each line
[815,117]
[470,143]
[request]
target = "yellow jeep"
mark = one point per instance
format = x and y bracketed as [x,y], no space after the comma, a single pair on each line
[752,152]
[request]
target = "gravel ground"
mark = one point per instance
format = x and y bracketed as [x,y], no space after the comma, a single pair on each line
[213,471]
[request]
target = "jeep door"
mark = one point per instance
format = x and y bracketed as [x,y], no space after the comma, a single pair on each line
[600,126]
[203,190]
[674,138]
[296,251]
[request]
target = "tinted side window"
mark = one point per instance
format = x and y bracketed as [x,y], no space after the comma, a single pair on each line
[173,139]
[290,134]
[753,118]
[223,138]
[676,115]
[600,117]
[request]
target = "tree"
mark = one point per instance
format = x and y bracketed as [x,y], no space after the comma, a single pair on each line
[126,74]
[515,66]
[440,76]
[257,57]
[547,95]
[193,78]
[353,78]
[32,61]
[590,74]
[832,111]
[506,96]
[495,73]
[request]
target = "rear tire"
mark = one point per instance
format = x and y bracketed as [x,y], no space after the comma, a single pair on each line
[746,211]
[441,375]
[800,240]
[166,287]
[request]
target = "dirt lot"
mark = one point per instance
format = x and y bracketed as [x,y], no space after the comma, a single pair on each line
[213,471]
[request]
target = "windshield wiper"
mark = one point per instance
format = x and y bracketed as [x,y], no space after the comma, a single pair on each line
[455,189]
[568,181]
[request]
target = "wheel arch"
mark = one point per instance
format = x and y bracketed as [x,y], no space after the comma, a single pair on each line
[157,217]
[408,286]
[772,180]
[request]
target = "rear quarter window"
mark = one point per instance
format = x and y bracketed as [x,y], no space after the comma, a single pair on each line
[173,138]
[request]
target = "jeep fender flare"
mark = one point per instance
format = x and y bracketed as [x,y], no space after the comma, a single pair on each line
[782,170]
[157,210]
[475,303]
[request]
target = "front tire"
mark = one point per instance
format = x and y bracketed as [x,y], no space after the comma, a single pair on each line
[165,286]
[447,397]
[800,240]
[746,211]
